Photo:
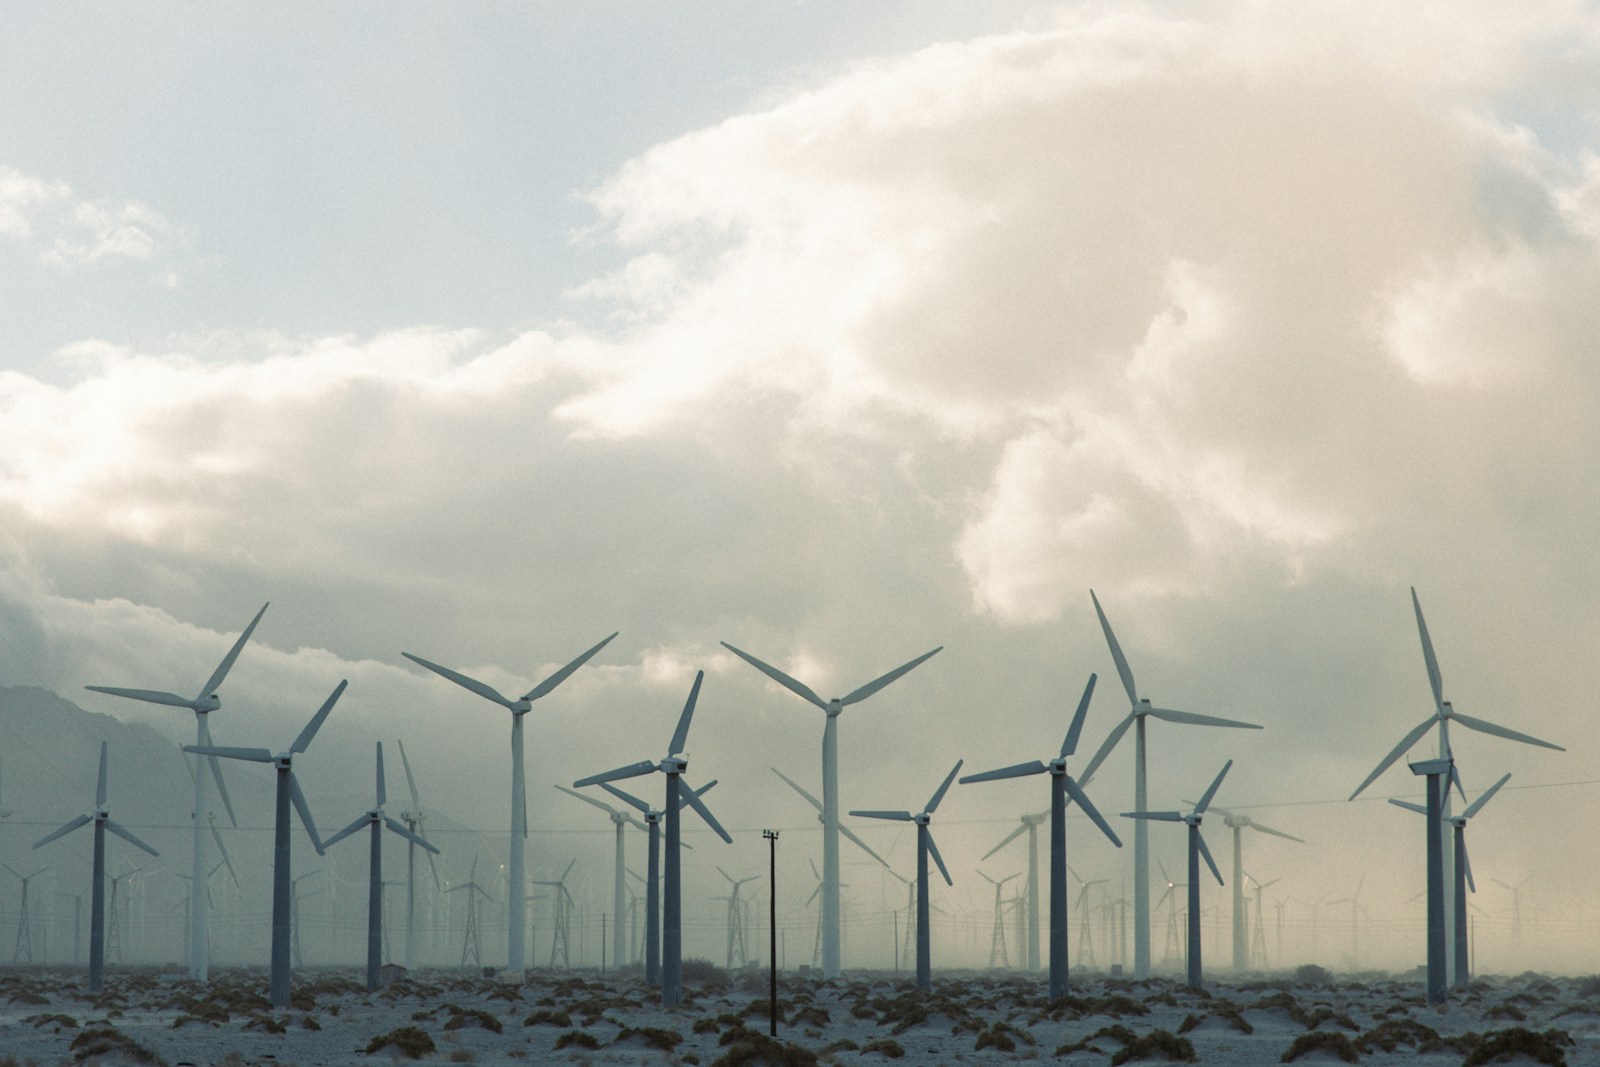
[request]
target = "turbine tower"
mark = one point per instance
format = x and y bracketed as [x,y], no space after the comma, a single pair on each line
[1443,715]
[516,897]
[1140,711]
[830,786]
[1061,787]
[376,820]
[621,820]
[288,792]
[202,705]
[415,819]
[672,765]
[925,847]
[1197,849]
[101,818]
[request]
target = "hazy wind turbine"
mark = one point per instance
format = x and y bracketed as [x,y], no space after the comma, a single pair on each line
[376,820]
[1238,824]
[830,786]
[202,705]
[1463,874]
[1197,849]
[1443,715]
[288,792]
[516,898]
[1141,709]
[925,847]
[672,765]
[563,898]
[101,817]
[621,820]
[415,819]
[1029,824]
[735,916]
[1061,787]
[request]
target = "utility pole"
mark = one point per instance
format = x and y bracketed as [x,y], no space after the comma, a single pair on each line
[772,925]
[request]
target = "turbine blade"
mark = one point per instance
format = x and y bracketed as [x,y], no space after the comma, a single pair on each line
[304,811]
[815,803]
[123,832]
[100,784]
[1205,801]
[1017,770]
[1105,748]
[383,794]
[680,736]
[690,797]
[1159,816]
[411,783]
[149,696]
[933,850]
[799,688]
[1500,731]
[1477,805]
[626,798]
[62,832]
[415,839]
[562,880]
[363,821]
[632,770]
[813,895]
[897,816]
[1205,854]
[602,805]
[1466,867]
[215,681]
[878,683]
[303,742]
[1012,836]
[1116,652]
[253,755]
[564,673]
[488,692]
[1082,800]
[223,851]
[1399,750]
[204,734]
[1192,719]
[1070,745]
[1418,808]
[851,835]
[1267,829]
[933,802]
[1435,682]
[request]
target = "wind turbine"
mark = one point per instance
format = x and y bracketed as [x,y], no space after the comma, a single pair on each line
[1463,873]
[997,939]
[1258,946]
[563,897]
[470,946]
[1061,787]
[925,847]
[414,817]
[288,792]
[621,820]
[1443,715]
[1516,905]
[376,820]
[1238,824]
[202,705]
[735,916]
[101,817]
[1197,849]
[1028,823]
[1141,710]
[849,834]
[830,785]
[516,898]
[672,765]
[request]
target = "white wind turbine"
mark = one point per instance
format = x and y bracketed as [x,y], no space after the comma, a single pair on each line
[376,819]
[1141,710]
[415,819]
[1443,715]
[202,705]
[621,820]
[516,898]
[288,792]
[101,817]
[830,786]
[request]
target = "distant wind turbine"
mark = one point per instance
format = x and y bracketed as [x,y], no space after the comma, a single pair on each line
[202,705]
[830,785]
[1238,824]
[621,820]
[516,903]
[415,819]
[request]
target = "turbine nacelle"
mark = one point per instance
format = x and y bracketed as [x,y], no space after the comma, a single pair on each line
[673,765]
[204,705]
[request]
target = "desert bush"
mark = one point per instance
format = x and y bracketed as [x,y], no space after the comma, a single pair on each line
[1158,1044]
[1003,1037]
[1589,986]
[577,1039]
[810,1015]
[886,1047]
[1506,1011]
[1321,1041]
[1503,1044]
[1322,1015]
[650,1037]
[704,973]
[462,1055]
[548,1017]
[844,1044]
[55,1019]
[408,1041]
[753,1049]
[1309,974]
[265,1024]
[1392,1033]
[706,1026]
[107,1041]
[461,1018]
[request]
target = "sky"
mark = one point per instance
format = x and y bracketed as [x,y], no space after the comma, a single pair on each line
[839,333]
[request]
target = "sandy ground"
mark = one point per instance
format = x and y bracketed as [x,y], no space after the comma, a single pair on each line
[864,1019]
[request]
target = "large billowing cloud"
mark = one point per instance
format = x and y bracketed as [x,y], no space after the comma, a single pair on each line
[1247,323]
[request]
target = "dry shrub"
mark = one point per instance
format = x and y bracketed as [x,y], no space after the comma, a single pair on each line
[408,1041]
[1499,1045]
[1158,1044]
[1321,1041]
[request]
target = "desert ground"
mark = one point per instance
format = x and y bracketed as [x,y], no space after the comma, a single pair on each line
[47,1017]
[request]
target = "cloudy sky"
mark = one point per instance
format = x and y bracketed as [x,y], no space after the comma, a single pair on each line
[838,332]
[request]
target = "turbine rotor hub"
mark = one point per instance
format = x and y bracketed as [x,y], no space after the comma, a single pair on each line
[674,765]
